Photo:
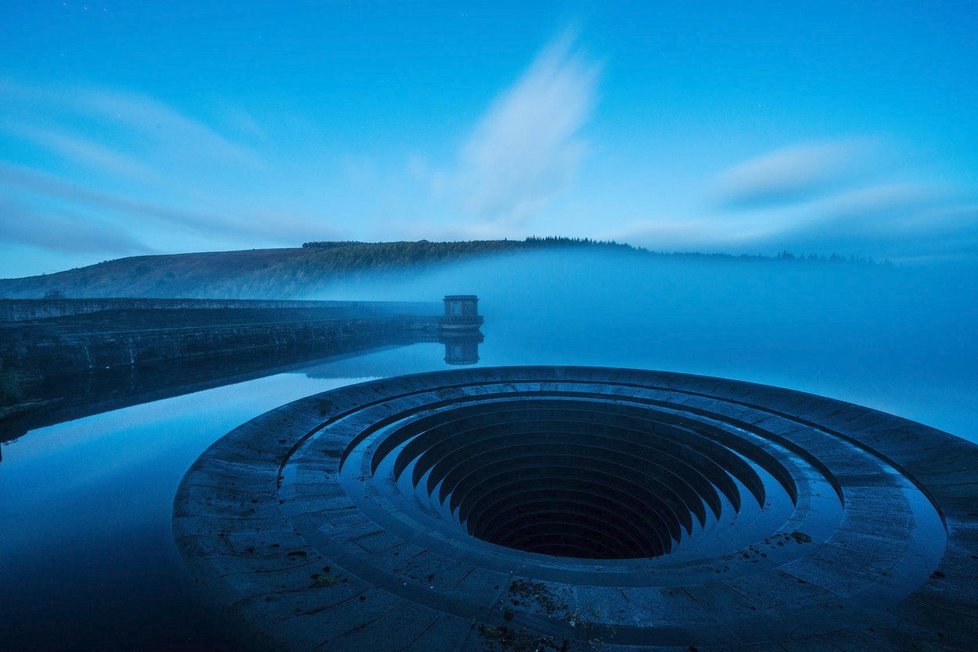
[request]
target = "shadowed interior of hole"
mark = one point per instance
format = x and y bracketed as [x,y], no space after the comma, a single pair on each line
[573,478]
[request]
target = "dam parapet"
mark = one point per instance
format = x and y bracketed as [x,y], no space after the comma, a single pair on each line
[24,310]
[74,335]
[125,351]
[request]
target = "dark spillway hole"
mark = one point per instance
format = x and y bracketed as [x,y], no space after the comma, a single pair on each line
[573,478]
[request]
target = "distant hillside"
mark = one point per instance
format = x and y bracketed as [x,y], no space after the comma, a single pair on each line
[312,270]
[268,272]
[151,276]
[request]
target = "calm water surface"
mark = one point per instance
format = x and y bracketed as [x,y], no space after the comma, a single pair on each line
[86,556]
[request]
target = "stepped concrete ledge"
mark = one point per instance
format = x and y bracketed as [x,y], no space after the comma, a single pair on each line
[575,508]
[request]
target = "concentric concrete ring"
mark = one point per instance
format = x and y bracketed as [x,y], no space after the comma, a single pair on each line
[576,508]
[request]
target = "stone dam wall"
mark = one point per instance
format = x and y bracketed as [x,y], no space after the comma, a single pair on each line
[51,353]
[125,350]
[18,310]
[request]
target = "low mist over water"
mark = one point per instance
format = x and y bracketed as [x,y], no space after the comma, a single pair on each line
[209,214]
[894,337]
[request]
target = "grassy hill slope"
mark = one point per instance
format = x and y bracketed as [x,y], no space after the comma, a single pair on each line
[313,270]
[151,276]
[261,273]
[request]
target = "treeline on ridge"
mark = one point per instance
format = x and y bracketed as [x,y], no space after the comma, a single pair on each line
[353,255]
[297,272]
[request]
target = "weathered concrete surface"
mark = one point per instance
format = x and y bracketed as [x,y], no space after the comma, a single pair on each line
[58,399]
[136,350]
[14,310]
[133,339]
[93,335]
[73,366]
[406,514]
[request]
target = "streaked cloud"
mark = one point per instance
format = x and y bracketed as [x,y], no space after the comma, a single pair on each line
[791,173]
[891,200]
[168,130]
[888,219]
[835,196]
[65,233]
[143,126]
[267,224]
[243,122]
[703,235]
[48,186]
[84,150]
[895,219]
[528,146]
[134,159]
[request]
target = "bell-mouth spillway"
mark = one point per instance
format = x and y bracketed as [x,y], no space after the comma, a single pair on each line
[572,475]
[568,507]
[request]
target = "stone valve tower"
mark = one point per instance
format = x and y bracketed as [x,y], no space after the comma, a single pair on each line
[459,329]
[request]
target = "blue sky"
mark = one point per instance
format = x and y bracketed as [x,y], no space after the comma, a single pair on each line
[130,128]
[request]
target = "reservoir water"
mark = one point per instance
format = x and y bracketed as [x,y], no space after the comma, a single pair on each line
[86,555]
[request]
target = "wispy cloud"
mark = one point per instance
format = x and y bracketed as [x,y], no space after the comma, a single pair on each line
[926,233]
[839,196]
[147,126]
[528,146]
[665,235]
[889,200]
[243,122]
[50,187]
[163,126]
[84,150]
[791,174]
[132,158]
[65,233]
[884,218]
[883,214]
[268,225]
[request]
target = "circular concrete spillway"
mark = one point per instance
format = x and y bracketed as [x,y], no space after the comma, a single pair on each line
[579,475]
[581,508]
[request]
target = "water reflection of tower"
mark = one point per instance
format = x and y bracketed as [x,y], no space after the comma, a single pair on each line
[459,329]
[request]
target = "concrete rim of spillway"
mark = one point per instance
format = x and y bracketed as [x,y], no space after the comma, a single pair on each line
[580,508]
